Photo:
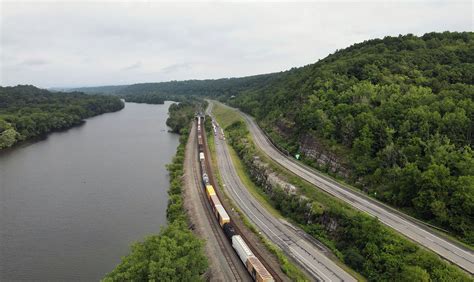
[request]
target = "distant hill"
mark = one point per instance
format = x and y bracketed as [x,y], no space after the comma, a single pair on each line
[107,90]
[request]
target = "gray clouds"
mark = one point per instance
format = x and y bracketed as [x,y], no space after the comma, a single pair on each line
[80,44]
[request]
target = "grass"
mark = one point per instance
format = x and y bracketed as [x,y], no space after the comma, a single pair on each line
[225,116]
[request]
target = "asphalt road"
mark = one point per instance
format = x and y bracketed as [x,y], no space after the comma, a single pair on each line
[291,240]
[417,232]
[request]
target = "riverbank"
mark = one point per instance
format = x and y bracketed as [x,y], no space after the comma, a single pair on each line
[176,253]
[71,204]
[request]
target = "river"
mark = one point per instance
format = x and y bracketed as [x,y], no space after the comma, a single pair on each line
[71,204]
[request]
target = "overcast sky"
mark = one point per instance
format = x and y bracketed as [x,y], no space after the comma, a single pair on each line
[60,44]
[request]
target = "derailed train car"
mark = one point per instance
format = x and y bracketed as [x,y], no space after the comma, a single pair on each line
[253,265]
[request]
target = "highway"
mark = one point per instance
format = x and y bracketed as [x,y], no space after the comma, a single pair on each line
[407,226]
[292,241]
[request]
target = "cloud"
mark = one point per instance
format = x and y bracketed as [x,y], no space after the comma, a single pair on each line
[97,43]
[132,66]
[176,67]
[34,62]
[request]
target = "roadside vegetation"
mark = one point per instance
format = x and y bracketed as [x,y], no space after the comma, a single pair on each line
[27,112]
[360,241]
[287,266]
[176,253]
[396,114]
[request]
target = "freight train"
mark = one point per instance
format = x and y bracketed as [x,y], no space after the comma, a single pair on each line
[253,265]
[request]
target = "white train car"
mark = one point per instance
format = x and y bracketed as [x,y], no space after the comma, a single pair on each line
[241,248]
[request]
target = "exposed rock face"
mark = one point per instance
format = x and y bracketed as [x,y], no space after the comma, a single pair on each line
[312,149]
[270,181]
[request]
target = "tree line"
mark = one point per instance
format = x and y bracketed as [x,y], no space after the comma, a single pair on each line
[27,112]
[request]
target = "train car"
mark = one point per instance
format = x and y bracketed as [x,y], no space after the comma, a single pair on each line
[229,231]
[215,202]
[241,248]
[203,167]
[257,270]
[210,191]
[222,215]
[201,156]
[205,179]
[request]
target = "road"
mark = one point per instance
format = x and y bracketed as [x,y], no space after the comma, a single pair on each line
[417,232]
[224,263]
[291,240]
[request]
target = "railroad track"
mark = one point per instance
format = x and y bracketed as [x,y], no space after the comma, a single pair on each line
[213,182]
[221,240]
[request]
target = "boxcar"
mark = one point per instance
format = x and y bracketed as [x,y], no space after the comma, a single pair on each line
[258,272]
[210,191]
[222,215]
[241,248]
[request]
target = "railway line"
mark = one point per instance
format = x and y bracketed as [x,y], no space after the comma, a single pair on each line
[230,268]
[312,257]
[249,256]
[409,227]
[218,234]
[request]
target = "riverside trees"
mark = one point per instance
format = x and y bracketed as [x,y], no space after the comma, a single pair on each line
[27,111]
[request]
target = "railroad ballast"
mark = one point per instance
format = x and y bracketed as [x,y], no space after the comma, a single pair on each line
[253,265]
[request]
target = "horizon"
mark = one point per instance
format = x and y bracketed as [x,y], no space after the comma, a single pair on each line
[73,45]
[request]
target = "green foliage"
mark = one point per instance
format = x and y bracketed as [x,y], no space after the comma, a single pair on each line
[359,240]
[403,108]
[180,115]
[27,111]
[175,254]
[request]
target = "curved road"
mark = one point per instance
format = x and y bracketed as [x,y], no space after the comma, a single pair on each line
[292,241]
[419,233]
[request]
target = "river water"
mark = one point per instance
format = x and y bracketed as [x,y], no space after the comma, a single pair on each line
[71,205]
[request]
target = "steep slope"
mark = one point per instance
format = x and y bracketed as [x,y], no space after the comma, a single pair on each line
[395,115]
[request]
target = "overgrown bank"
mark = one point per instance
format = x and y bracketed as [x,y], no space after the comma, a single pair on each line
[360,241]
[175,254]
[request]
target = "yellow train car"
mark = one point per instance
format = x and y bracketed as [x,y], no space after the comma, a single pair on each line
[222,215]
[210,191]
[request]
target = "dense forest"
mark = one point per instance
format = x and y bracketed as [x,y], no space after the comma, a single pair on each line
[403,109]
[359,240]
[176,253]
[27,111]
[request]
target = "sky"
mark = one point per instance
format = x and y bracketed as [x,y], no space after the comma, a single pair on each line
[90,43]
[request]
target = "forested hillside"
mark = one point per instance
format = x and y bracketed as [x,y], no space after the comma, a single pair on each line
[402,110]
[396,113]
[27,111]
